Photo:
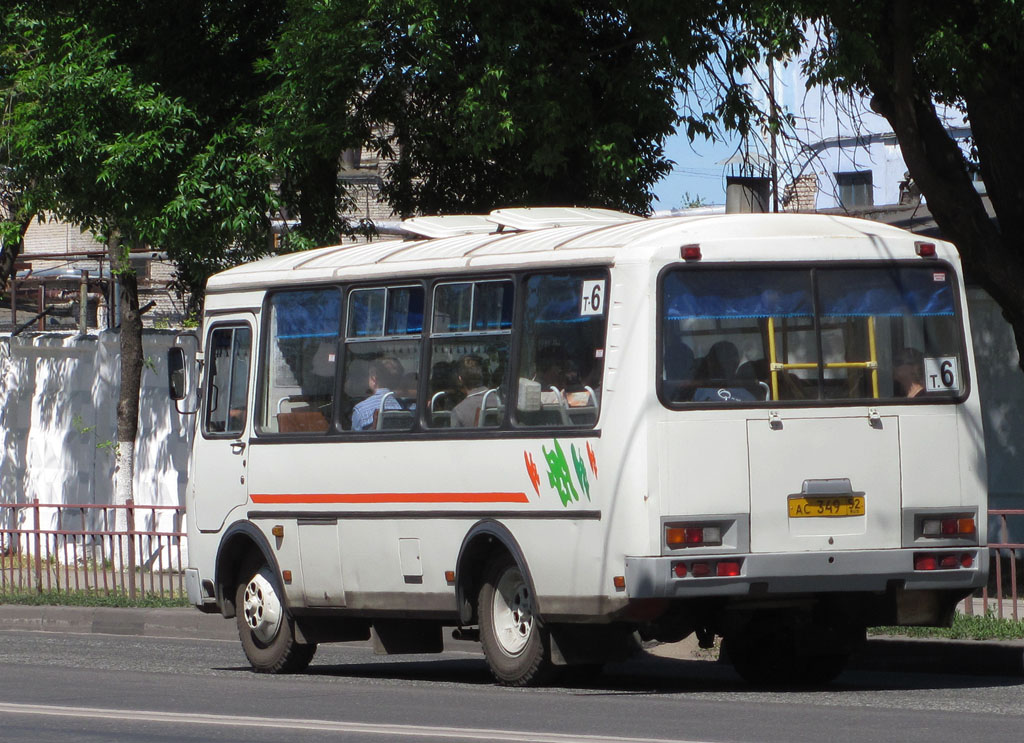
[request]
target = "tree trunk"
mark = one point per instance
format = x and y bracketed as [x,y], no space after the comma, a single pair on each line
[130,336]
[9,252]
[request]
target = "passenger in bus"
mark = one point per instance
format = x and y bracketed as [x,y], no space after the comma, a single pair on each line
[407,390]
[719,365]
[470,375]
[551,367]
[384,376]
[679,358]
[908,373]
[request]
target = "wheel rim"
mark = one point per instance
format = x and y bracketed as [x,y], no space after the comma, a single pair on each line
[512,612]
[262,606]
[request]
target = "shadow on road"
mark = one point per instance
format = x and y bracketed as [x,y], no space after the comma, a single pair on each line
[650,675]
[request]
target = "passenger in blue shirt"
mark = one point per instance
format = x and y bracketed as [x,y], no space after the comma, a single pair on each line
[385,374]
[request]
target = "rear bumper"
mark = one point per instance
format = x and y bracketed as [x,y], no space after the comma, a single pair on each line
[800,573]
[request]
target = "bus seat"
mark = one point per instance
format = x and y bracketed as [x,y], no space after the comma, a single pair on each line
[395,420]
[302,421]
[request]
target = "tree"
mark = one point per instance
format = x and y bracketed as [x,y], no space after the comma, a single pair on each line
[557,103]
[325,66]
[136,121]
[563,102]
[914,58]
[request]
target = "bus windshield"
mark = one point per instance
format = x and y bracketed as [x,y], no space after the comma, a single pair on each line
[756,335]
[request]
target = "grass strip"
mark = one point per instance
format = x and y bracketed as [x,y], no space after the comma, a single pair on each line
[965,627]
[90,598]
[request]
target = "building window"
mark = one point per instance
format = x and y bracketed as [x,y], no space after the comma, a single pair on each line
[855,189]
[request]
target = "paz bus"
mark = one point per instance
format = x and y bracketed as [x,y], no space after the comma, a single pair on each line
[565,432]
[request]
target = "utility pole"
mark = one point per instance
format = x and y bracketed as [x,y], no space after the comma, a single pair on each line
[772,130]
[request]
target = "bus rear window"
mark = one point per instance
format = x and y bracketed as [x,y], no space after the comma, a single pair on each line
[748,336]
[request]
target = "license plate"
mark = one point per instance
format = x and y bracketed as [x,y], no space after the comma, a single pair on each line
[826,506]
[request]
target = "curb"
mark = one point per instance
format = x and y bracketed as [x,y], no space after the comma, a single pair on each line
[966,657]
[183,622]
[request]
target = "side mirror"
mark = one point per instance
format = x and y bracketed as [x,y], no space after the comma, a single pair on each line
[183,360]
[176,377]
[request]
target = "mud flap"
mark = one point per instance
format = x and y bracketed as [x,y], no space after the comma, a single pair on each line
[580,644]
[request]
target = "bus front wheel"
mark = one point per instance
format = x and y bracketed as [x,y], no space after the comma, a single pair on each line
[265,628]
[515,642]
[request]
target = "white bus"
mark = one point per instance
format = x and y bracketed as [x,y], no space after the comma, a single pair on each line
[567,431]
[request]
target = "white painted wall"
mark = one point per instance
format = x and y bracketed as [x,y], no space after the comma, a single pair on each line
[58,399]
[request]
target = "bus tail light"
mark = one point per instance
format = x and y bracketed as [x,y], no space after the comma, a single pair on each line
[924,249]
[943,560]
[693,536]
[690,252]
[700,569]
[948,526]
[728,569]
[925,562]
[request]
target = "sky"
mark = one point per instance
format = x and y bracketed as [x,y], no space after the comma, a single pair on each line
[696,172]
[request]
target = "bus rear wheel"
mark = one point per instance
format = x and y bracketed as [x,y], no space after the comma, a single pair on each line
[265,628]
[773,656]
[515,642]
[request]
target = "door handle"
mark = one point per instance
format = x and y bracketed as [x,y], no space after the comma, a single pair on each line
[237,447]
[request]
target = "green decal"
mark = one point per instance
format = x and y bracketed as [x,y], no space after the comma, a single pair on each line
[581,470]
[559,476]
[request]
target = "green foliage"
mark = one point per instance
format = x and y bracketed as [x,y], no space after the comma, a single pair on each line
[92,598]
[555,103]
[694,201]
[483,106]
[974,627]
[138,120]
[189,126]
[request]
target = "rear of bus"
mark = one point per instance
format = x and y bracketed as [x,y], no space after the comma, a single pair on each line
[820,456]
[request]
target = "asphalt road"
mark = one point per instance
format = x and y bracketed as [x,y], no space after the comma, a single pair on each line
[96,687]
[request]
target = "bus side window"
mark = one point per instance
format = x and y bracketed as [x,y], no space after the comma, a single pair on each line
[228,384]
[470,335]
[301,359]
[562,350]
[382,358]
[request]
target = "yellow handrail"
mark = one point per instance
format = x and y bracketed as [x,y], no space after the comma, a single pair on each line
[873,349]
[771,358]
[777,366]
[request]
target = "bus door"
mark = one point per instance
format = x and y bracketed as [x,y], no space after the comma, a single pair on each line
[220,453]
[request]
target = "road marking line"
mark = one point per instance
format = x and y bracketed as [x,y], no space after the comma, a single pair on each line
[417,731]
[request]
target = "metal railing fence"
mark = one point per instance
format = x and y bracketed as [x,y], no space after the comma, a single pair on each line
[1004,555]
[138,550]
[58,547]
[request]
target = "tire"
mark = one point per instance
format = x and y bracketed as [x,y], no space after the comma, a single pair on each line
[780,664]
[265,628]
[515,643]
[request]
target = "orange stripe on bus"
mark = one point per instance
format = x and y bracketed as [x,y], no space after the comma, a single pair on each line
[390,498]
